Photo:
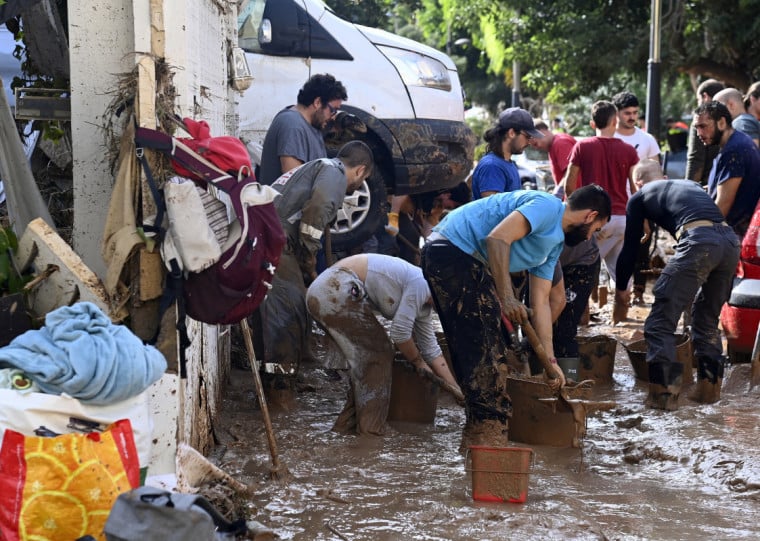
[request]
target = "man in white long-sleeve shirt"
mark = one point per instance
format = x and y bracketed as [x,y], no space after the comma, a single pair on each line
[343,299]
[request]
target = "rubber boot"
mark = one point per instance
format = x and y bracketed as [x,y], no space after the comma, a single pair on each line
[488,433]
[664,385]
[709,381]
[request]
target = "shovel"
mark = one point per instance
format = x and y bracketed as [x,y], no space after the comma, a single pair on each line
[277,471]
[580,408]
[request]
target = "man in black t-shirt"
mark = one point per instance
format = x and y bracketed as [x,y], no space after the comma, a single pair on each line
[706,256]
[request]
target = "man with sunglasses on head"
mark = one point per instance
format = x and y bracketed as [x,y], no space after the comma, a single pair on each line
[295,135]
[496,172]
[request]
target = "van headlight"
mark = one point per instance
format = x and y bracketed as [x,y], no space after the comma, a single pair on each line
[418,70]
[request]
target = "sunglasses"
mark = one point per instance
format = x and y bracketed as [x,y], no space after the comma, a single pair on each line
[333,110]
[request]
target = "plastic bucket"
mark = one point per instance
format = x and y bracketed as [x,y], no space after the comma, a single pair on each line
[500,474]
[569,367]
[597,354]
[637,353]
[414,399]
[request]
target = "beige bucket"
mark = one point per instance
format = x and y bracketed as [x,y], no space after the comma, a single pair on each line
[597,355]
[637,353]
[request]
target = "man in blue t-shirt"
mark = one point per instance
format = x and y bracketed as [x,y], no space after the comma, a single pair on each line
[734,181]
[467,261]
[496,172]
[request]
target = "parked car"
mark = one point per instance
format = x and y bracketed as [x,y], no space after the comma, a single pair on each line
[10,66]
[535,170]
[740,316]
[405,101]
[674,164]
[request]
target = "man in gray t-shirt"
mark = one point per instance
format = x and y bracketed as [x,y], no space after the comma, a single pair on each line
[295,135]
[343,299]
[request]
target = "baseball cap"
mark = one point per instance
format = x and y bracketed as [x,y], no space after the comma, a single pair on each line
[518,119]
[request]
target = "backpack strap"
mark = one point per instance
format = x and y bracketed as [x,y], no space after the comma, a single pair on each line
[158,197]
[174,279]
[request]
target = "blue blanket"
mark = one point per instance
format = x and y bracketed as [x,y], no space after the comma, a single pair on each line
[81,353]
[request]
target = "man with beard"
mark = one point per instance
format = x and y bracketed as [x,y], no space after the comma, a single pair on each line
[703,267]
[496,172]
[734,181]
[467,262]
[607,161]
[344,300]
[699,157]
[309,199]
[647,148]
[295,136]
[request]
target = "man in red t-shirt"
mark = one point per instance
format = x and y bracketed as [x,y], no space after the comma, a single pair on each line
[608,162]
[557,146]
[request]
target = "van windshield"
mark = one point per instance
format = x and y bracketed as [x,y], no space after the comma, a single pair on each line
[249,20]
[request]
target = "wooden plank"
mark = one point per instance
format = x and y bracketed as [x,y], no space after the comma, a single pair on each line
[41,246]
[157,34]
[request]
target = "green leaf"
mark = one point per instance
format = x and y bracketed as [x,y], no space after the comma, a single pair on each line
[5,241]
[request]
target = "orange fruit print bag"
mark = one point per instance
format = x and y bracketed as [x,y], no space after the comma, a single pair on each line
[63,487]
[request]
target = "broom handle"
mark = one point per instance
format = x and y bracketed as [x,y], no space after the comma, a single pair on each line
[260,392]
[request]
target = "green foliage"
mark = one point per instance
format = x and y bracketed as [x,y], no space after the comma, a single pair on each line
[11,281]
[571,50]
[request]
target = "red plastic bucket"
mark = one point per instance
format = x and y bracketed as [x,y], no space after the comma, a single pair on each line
[500,474]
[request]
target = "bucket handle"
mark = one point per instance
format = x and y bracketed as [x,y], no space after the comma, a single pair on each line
[532,462]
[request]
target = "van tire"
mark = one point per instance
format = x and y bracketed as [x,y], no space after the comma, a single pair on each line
[361,215]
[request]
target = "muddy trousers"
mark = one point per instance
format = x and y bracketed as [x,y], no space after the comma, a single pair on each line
[701,270]
[283,316]
[467,303]
[338,301]
[579,281]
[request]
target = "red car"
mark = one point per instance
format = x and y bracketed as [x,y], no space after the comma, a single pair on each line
[740,316]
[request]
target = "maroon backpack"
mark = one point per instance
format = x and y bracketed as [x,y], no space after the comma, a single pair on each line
[233,287]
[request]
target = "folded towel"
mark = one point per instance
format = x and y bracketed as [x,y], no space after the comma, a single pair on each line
[81,353]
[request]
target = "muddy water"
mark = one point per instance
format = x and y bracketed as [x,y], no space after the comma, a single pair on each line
[639,475]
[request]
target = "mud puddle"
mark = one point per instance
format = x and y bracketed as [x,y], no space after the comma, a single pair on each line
[640,474]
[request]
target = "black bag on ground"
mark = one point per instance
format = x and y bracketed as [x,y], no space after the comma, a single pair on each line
[148,513]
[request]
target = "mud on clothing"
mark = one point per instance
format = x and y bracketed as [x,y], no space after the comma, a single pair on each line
[494,174]
[703,265]
[345,306]
[740,157]
[467,304]
[310,197]
[468,226]
[580,268]
[289,135]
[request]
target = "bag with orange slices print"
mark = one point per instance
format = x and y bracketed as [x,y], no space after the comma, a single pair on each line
[63,487]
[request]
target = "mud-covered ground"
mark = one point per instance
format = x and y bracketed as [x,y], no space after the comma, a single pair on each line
[640,474]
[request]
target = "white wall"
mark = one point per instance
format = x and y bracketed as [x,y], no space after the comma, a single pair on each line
[104,34]
[100,38]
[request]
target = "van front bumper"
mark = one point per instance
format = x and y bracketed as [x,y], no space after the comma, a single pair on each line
[432,155]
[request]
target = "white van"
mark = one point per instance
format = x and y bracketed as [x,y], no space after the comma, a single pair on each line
[404,100]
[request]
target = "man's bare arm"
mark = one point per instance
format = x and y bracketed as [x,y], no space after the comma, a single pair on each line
[498,244]
[726,194]
[288,162]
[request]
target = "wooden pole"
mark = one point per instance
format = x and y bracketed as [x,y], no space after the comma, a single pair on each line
[278,471]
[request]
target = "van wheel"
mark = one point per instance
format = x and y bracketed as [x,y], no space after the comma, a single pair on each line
[360,216]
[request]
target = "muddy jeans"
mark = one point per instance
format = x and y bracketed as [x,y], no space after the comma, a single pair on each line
[284,320]
[467,303]
[337,300]
[703,266]
[579,281]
